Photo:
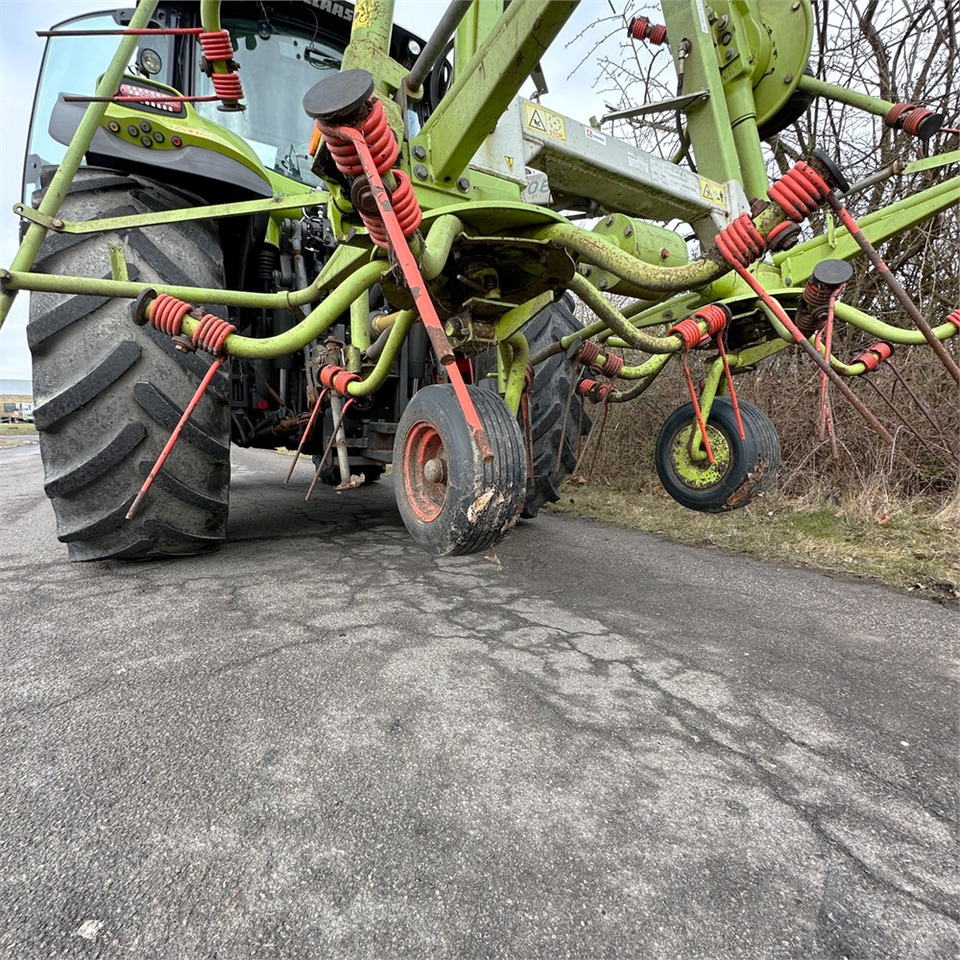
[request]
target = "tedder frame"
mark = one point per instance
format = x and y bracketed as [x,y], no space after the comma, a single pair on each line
[442,200]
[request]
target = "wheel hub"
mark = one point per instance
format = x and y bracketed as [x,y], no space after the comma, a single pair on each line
[699,473]
[434,471]
[425,471]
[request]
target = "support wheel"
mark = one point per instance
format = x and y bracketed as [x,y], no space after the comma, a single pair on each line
[452,502]
[109,393]
[742,469]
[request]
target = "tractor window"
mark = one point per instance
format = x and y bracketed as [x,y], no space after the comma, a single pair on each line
[276,71]
[70,65]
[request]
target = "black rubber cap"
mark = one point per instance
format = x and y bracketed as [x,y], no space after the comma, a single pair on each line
[929,126]
[339,96]
[831,273]
[831,172]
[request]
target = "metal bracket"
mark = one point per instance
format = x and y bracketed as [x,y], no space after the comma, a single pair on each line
[662,106]
[35,216]
[296,202]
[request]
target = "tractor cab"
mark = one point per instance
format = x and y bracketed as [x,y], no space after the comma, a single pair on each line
[283,48]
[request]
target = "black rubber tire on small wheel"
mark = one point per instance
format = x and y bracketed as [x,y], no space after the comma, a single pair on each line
[451,501]
[742,469]
[109,393]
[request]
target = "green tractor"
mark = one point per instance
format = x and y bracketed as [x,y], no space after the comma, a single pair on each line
[297,225]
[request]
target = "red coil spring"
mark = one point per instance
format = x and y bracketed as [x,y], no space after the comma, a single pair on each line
[405,206]
[218,46]
[378,136]
[740,241]
[337,378]
[227,86]
[689,332]
[875,355]
[641,28]
[908,116]
[589,354]
[817,296]
[211,333]
[166,314]
[595,391]
[812,318]
[799,192]
[954,318]
[714,316]
[589,351]
[612,365]
[384,150]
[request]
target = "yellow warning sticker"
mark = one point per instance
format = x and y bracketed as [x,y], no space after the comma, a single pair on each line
[544,121]
[363,13]
[713,192]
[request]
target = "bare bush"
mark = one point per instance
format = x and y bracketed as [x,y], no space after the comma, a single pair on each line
[897,50]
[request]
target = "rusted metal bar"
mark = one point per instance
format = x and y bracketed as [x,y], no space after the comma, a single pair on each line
[903,298]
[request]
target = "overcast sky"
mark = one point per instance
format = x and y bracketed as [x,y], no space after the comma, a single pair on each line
[21,51]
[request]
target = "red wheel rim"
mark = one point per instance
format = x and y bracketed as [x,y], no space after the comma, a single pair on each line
[423,460]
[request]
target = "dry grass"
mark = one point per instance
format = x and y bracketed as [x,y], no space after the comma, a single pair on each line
[889,514]
[907,549]
[17,429]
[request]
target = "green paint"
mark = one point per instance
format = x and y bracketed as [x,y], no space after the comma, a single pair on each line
[693,468]
[118,263]
[360,324]
[797,264]
[281,207]
[317,322]
[885,331]
[612,318]
[862,101]
[519,351]
[488,83]
[697,451]
[513,320]
[385,363]
[193,129]
[749,76]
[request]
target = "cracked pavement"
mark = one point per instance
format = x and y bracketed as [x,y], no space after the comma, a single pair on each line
[320,742]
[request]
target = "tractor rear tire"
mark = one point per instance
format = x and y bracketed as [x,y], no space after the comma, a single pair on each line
[109,393]
[554,413]
[558,420]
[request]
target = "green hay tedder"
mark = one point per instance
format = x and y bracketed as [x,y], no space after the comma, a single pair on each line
[334,237]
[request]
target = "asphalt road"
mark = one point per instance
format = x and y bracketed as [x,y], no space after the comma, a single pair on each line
[322,743]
